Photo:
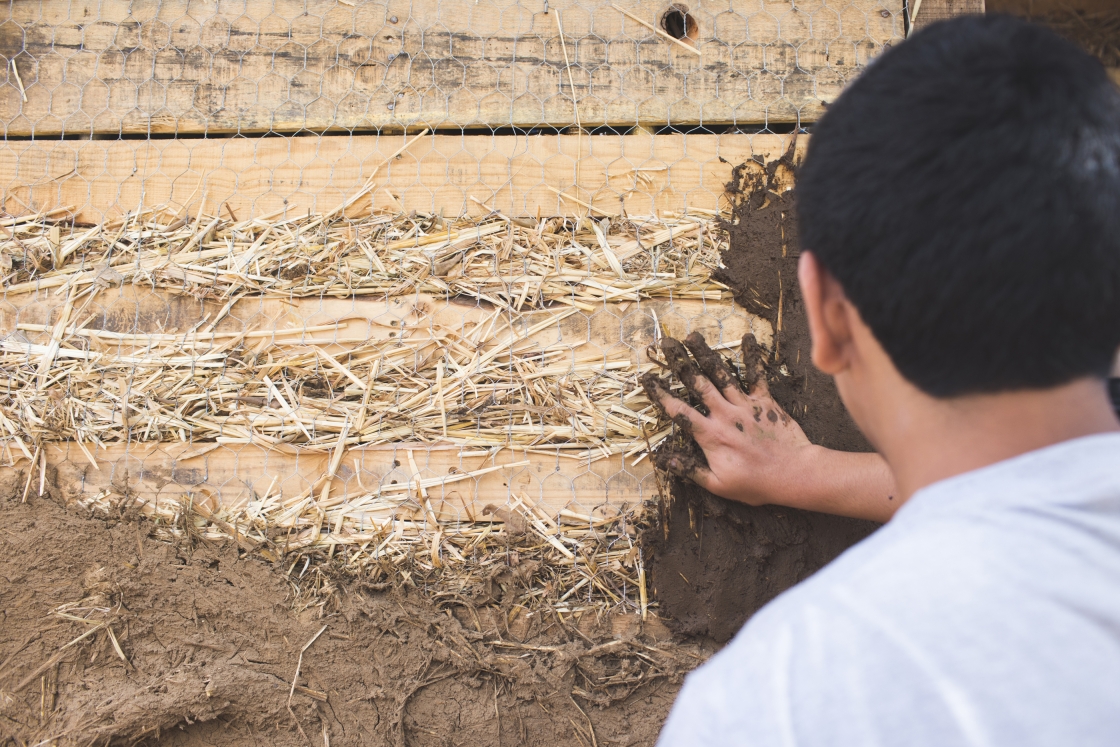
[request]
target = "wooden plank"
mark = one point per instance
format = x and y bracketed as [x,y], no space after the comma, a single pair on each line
[135,309]
[228,476]
[518,175]
[932,11]
[115,66]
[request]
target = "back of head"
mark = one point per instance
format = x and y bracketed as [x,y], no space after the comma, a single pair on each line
[965,192]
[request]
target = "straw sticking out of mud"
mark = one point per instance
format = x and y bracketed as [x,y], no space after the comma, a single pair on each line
[112,637]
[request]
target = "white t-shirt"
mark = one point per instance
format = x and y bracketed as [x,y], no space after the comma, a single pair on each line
[987,612]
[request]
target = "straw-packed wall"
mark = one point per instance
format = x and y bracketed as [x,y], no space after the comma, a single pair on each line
[478,337]
[410,344]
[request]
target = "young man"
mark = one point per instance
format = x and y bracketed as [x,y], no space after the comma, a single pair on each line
[959,210]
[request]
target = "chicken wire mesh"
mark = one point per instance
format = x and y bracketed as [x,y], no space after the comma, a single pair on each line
[377,280]
[252,66]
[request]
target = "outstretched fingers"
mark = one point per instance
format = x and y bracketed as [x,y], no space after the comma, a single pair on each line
[689,373]
[715,368]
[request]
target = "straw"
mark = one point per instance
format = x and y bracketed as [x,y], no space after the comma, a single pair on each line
[19,81]
[500,376]
[496,379]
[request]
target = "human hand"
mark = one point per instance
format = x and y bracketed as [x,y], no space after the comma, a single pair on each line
[754,450]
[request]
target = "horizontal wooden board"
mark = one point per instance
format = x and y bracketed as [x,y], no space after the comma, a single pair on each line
[134,309]
[115,66]
[518,175]
[229,476]
[932,11]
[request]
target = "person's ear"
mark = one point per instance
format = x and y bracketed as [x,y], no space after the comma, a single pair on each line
[826,306]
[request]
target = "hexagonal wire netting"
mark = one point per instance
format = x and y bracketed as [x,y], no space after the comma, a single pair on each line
[340,274]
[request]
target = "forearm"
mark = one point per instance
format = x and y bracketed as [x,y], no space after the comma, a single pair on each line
[859,485]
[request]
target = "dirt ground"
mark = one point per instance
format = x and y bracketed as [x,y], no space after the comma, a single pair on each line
[722,561]
[196,646]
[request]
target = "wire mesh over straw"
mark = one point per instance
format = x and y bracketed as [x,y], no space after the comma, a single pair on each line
[483,385]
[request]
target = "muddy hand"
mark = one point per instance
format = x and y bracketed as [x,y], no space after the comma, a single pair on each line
[751,445]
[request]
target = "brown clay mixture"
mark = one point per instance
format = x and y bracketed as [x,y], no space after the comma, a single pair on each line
[720,561]
[110,637]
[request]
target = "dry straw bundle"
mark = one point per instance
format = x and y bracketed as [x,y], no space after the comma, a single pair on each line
[512,264]
[477,359]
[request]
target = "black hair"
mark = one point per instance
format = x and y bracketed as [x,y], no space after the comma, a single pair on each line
[965,193]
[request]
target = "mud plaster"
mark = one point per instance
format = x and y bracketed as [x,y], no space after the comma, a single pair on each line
[722,561]
[212,642]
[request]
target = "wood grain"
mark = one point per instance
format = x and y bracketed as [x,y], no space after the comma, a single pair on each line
[932,11]
[518,175]
[232,475]
[115,66]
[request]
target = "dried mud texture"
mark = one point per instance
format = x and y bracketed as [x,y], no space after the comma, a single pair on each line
[194,645]
[720,561]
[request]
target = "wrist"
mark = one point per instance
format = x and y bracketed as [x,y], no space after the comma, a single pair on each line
[808,484]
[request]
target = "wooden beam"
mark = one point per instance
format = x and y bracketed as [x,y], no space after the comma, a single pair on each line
[114,66]
[133,309]
[229,474]
[932,11]
[222,476]
[518,175]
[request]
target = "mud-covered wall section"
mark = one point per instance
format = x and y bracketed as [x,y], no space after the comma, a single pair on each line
[721,561]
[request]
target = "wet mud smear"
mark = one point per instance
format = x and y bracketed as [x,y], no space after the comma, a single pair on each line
[721,560]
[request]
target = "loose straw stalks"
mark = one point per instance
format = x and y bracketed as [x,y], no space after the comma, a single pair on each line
[504,374]
[568,560]
[503,378]
[493,260]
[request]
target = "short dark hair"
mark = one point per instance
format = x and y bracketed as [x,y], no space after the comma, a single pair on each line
[965,192]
